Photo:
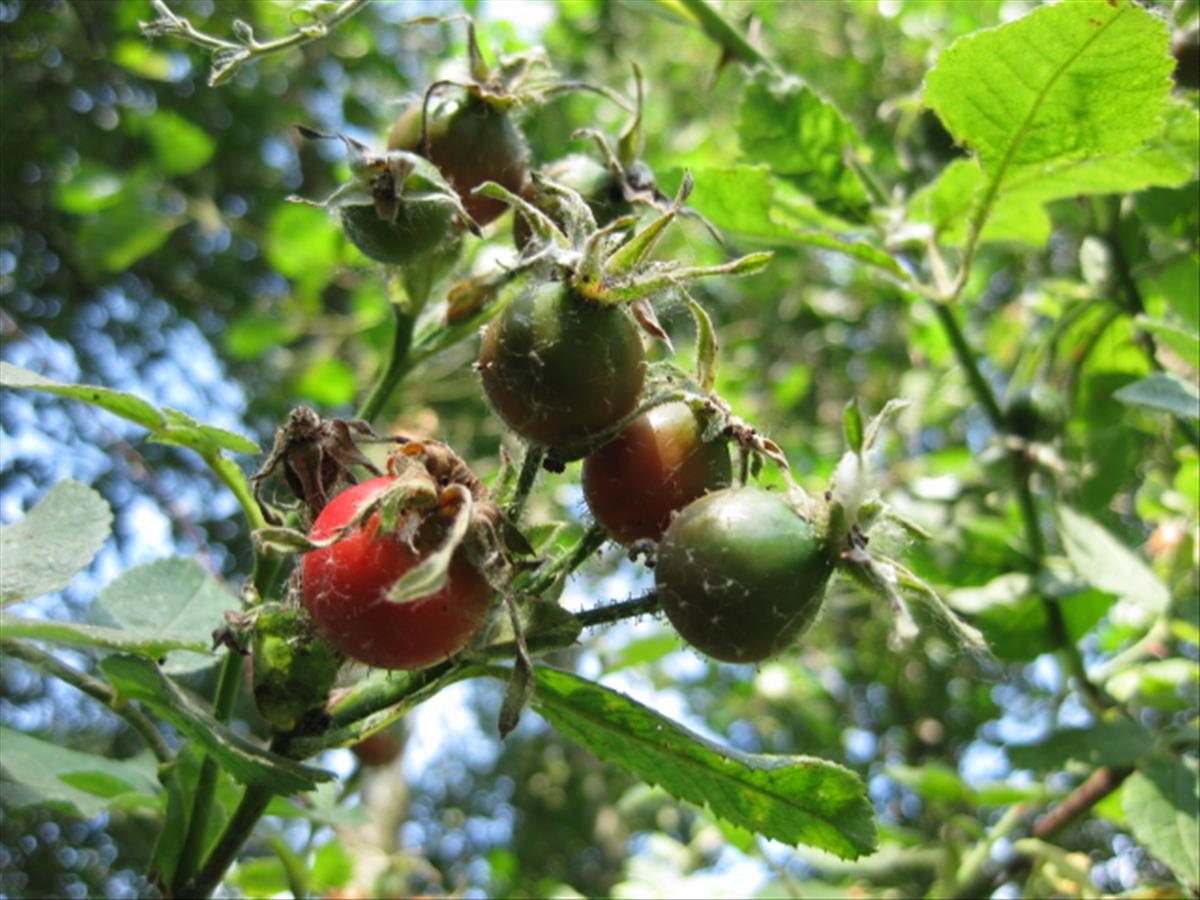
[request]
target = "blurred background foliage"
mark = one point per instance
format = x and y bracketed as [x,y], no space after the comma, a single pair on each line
[147,244]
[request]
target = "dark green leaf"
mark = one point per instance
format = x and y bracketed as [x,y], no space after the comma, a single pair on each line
[798,800]
[783,122]
[1103,744]
[139,679]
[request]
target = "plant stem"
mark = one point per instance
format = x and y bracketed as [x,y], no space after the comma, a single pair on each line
[393,369]
[615,612]
[1022,473]
[728,37]
[97,690]
[967,359]
[1136,306]
[235,834]
[530,466]
[591,541]
[228,682]
[294,869]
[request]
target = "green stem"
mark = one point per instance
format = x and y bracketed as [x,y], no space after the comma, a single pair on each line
[530,466]
[1034,538]
[294,869]
[615,612]
[593,539]
[730,40]
[970,880]
[231,476]
[237,831]
[228,682]
[967,359]
[97,690]
[393,370]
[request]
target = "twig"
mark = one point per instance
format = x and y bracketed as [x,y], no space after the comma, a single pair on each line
[97,690]
[228,56]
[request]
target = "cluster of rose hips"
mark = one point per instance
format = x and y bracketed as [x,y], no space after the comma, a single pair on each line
[400,571]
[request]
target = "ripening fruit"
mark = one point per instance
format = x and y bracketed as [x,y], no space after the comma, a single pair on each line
[470,142]
[418,228]
[741,575]
[559,368]
[346,585]
[655,467]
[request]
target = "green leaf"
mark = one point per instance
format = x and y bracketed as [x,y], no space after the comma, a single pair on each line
[46,772]
[1183,341]
[852,425]
[1068,81]
[783,122]
[141,642]
[179,146]
[1013,617]
[332,868]
[1163,391]
[1102,561]
[798,800]
[92,187]
[139,679]
[934,781]
[207,440]
[169,425]
[124,405]
[252,334]
[1160,802]
[261,877]
[54,541]
[120,234]
[1018,213]
[329,382]
[174,598]
[141,59]
[1103,744]
[302,244]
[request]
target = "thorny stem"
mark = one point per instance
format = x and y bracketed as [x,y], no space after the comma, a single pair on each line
[730,40]
[97,690]
[591,541]
[530,466]
[393,369]
[615,612]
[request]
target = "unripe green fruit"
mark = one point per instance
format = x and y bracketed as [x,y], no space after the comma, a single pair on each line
[741,575]
[419,227]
